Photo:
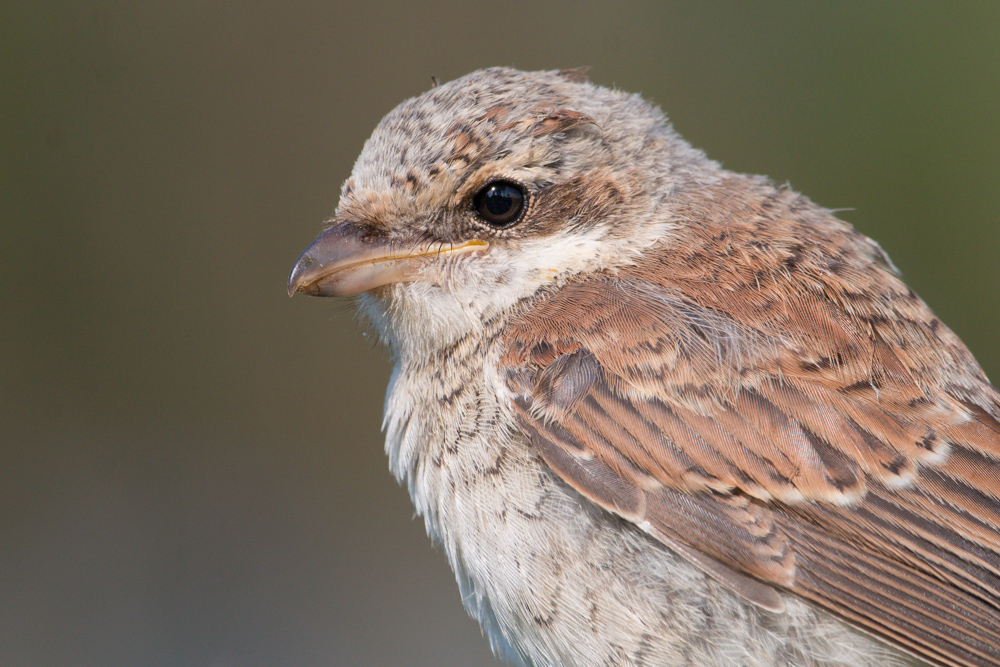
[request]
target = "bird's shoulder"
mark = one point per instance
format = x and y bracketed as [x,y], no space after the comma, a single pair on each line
[793,413]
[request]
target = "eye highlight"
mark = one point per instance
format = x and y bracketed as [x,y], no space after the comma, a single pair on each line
[500,204]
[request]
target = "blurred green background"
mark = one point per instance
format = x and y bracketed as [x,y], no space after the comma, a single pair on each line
[191,468]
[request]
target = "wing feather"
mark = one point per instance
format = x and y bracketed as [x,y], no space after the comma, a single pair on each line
[800,451]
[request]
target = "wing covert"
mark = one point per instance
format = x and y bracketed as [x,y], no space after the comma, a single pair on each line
[840,474]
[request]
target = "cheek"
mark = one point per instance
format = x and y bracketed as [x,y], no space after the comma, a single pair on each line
[462,273]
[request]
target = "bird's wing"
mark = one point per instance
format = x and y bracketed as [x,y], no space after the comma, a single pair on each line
[801,442]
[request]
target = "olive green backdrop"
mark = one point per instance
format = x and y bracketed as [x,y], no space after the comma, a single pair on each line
[191,467]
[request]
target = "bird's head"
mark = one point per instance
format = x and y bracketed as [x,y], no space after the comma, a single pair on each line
[475,195]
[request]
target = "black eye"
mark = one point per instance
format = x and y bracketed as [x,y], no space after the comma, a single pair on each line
[499,204]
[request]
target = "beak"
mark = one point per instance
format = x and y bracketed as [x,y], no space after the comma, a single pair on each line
[348,259]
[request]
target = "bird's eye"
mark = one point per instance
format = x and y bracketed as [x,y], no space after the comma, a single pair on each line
[500,204]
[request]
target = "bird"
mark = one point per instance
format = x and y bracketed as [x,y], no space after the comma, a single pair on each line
[655,412]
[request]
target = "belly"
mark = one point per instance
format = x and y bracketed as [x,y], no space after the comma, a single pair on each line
[554,580]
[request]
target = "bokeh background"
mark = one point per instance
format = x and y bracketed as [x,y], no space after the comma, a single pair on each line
[191,467]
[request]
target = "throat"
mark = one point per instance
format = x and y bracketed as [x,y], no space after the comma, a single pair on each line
[443,413]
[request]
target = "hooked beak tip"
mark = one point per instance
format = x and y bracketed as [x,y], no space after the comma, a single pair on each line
[297,276]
